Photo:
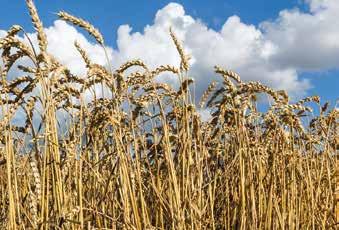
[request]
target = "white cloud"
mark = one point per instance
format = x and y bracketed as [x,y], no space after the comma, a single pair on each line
[238,46]
[306,41]
[273,53]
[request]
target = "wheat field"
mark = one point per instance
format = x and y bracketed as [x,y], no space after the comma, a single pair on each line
[141,156]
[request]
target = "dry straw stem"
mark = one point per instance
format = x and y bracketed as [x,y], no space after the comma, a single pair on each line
[143,158]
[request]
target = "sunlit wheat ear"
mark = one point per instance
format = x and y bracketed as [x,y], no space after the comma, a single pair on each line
[184,64]
[33,209]
[29,108]
[296,107]
[164,68]
[83,54]
[36,176]
[228,73]
[130,64]
[284,96]
[207,93]
[42,39]
[184,86]
[315,99]
[14,30]
[83,24]
[27,69]
[16,43]
[256,87]
[141,158]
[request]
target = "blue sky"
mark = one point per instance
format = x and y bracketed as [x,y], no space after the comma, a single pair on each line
[108,16]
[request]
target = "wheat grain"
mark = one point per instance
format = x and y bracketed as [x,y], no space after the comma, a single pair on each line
[83,24]
[141,157]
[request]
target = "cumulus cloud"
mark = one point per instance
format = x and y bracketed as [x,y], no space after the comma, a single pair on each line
[238,46]
[273,53]
[306,41]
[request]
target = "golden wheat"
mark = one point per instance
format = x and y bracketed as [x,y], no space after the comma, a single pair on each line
[143,158]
